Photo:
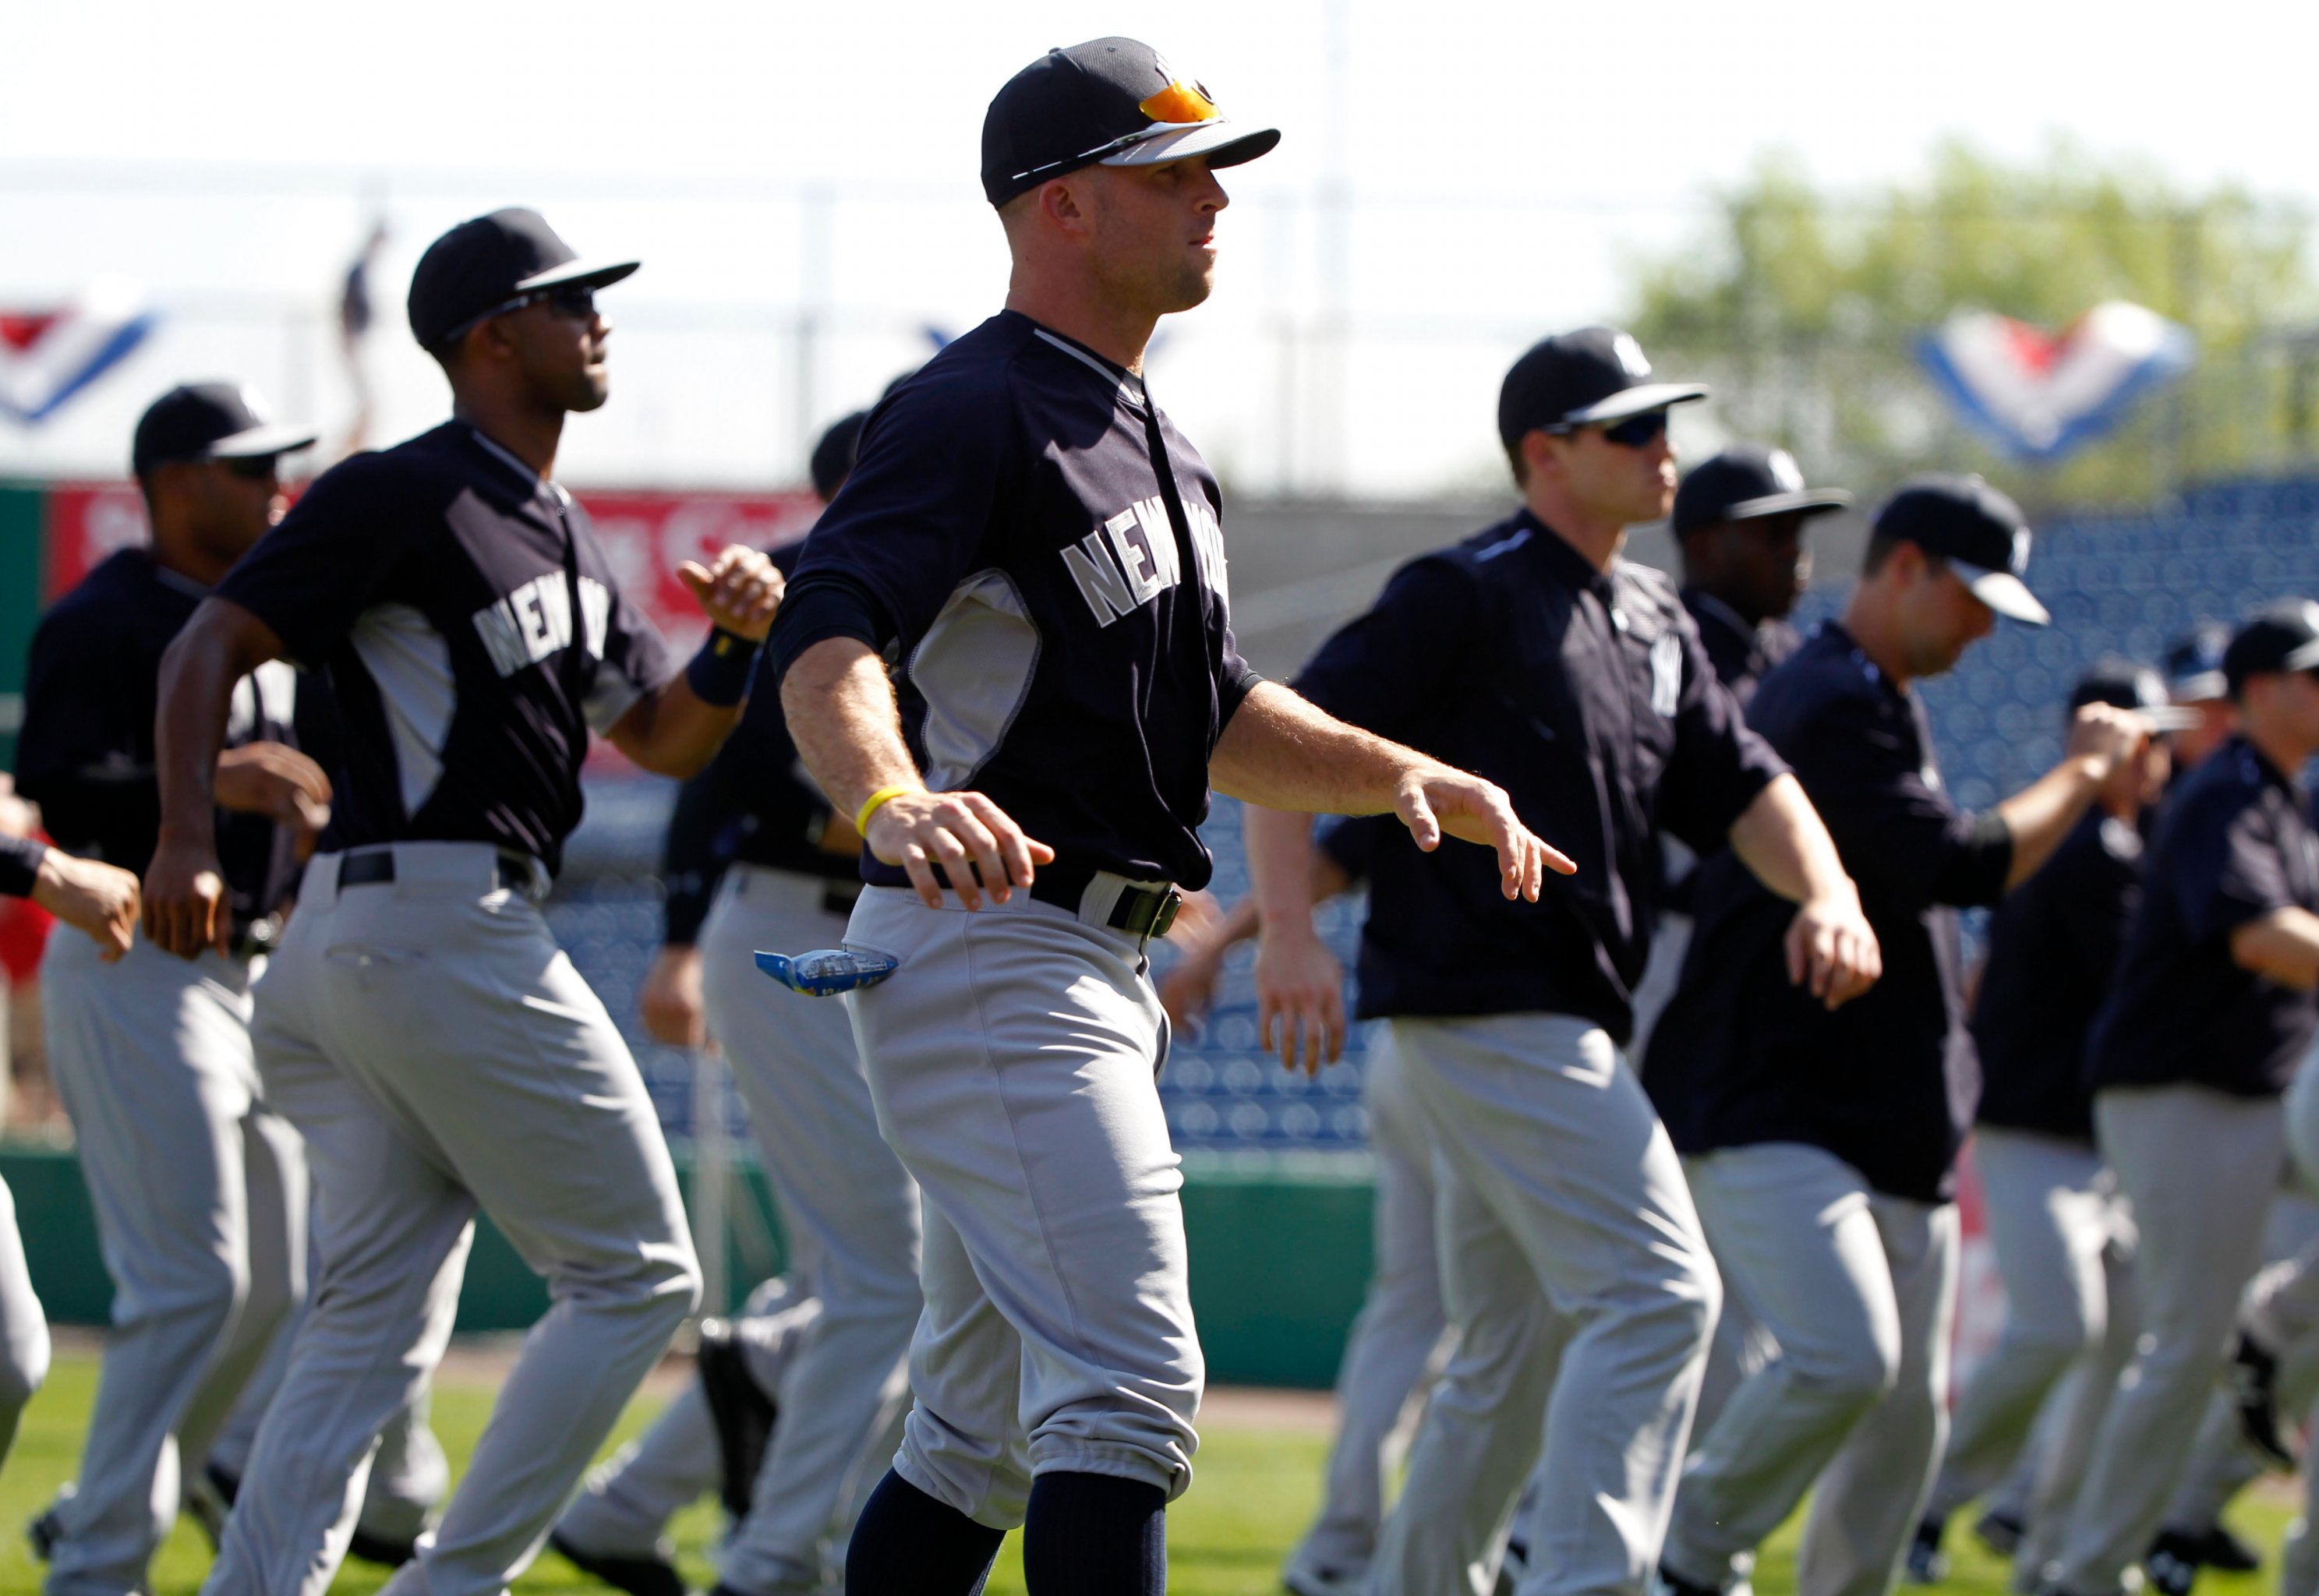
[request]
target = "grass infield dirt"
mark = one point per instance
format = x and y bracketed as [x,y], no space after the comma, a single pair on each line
[1259,1481]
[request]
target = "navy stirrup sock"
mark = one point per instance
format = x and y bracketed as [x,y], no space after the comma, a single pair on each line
[1095,1534]
[907,1544]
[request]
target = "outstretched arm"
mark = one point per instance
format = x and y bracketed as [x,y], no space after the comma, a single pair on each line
[1831,949]
[1280,751]
[677,729]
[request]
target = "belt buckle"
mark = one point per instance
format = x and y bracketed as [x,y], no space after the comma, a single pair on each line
[1164,916]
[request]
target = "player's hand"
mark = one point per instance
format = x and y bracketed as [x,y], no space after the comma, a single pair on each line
[955,829]
[2106,736]
[738,590]
[1437,800]
[276,781]
[185,910]
[100,899]
[1301,988]
[1832,951]
[670,999]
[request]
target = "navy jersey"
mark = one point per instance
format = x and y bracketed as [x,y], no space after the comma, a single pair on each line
[1887,1083]
[2234,843]
[2053,945]
[85,754]
[1742,655]
[1056,606]
[753,805]
[472,634]
[1589,698]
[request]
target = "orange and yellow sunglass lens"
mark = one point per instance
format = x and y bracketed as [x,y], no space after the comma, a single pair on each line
[1179,102]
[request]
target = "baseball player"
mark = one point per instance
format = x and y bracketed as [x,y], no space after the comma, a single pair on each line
[1820,1144]
[1571,1260]
[2059,1231]
[2210,1016]
[1041,550]
[199,1187]
[1401,1335]
[849,1212]
[2195,682]
[101,900]
[418,1023]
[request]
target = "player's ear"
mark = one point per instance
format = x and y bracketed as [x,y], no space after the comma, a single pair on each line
[1541,455]
[1067,204]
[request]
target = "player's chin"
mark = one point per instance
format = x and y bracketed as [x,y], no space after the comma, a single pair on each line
[590,392]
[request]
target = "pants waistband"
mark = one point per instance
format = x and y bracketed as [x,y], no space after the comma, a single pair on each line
[476,866]
[834,895]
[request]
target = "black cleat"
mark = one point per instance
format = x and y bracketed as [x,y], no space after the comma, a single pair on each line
[2254,1390]
[1927,1563]
[2225,1553]
[42,1535]
[639,1576]
[378,1550]
[1670,1583]
[744,1414]
[1999,1531]
[209,1500]
[2172,1564]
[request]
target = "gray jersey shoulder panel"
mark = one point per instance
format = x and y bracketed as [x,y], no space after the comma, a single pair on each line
[973,668]
[409,662]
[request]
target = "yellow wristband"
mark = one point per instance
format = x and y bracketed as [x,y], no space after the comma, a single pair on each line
[871,804]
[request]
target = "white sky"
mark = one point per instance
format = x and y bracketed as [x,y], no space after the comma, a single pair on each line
[1505,162]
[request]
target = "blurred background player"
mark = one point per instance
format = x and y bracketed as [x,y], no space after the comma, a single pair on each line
[2211,1015]
[419,1022]
[199,1188]
[2062,1233]
[1821,1144]
[754,834]
[100,900]
[1573,1264]
[2195,682]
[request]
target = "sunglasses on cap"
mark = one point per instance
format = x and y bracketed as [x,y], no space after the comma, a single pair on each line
[573,301]
[256,468]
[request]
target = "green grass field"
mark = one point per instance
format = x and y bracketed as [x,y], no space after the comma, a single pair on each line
[1255,1491]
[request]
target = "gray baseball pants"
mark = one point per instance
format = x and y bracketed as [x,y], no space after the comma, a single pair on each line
[2286,1316]
[24,1328]
[1574,1267]
[2051,1219]
[1859,1289]
[2200,1223]
[1400,1330]
[850,1215]
[625,1504]
[440,1052]
[199,1190]
[1013,1058]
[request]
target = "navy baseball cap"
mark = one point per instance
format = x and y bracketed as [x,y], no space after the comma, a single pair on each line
[1978,530]
[2129,684]
[833,455]
[1109,101]
[1746,482]
[2194,665]
[210,421]
[2277,638]
[1575,379]
[485,264]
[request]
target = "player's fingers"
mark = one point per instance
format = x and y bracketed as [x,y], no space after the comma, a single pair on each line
[1333,1007]
[696,578]
[1424,825]
[921,874]
[983,843]
[946,850]
[1018,855]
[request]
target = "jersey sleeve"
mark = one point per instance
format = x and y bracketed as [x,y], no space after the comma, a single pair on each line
[2226,869]
[1719,764]
[310,578]
[85,750]
[1387,671]
[1897,833]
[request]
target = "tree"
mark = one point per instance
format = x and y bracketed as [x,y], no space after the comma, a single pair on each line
[1805,308]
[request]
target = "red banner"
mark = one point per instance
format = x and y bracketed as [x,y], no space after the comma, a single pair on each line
[646,535]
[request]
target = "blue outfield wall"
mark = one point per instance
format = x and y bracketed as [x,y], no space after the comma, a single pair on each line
[1279,1249]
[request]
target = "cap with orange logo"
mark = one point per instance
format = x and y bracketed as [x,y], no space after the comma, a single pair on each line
[1112,102]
